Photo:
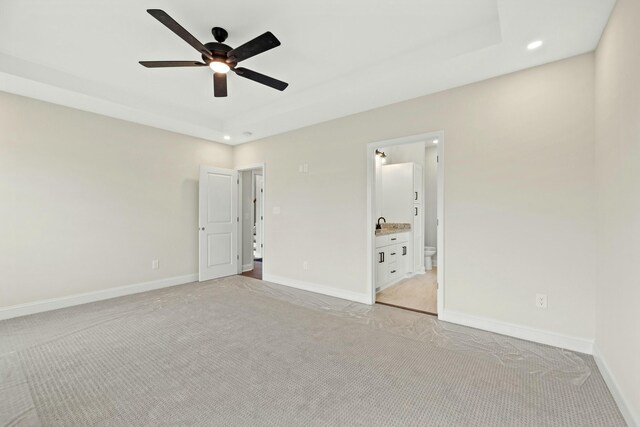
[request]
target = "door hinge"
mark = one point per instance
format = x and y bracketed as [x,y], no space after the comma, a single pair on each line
[238,218]
[437,159]
[261,190]
[261,245]
[261,217]
[237,256]
[238,181]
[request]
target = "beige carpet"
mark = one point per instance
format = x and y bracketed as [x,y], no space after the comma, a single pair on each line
[237,351]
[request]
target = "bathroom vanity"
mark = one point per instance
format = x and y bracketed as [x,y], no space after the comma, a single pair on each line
[394,259]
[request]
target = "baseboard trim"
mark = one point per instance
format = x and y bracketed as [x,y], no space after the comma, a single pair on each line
[83,298]
[247,267]
[630,416]
[318,289]
[581,345]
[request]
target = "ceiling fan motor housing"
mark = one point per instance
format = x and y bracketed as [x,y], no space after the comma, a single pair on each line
[219,51]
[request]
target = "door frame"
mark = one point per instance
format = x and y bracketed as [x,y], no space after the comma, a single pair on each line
[259,202]
[263,167]
[371,208]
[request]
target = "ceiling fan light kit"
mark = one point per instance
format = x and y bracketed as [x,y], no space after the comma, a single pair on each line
[218,56]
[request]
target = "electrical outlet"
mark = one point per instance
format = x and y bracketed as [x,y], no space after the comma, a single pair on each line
[541,300]
[305,265]
[155,264]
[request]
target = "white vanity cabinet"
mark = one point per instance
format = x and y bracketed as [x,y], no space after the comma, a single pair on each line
[402,202]
[393,258]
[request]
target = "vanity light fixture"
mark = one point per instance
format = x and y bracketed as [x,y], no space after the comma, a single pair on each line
[380,154]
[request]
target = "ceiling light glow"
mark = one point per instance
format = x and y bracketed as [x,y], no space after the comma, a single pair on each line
[227,137]
[219,67]
[534,45]
[435,141]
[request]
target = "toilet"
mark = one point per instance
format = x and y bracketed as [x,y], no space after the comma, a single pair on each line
[428,253]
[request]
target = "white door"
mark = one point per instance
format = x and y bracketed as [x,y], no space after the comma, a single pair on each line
[259,215]
[218,216]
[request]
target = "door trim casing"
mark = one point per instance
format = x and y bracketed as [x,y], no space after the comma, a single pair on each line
[245,168]
[371,207]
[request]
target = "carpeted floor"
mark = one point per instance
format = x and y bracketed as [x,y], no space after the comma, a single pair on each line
[237,351]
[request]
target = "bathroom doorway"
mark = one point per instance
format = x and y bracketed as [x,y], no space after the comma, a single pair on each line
[251,181]
[405,237]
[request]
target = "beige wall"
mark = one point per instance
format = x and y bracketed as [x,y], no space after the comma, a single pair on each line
[519,201]
[86,201]
[618,179]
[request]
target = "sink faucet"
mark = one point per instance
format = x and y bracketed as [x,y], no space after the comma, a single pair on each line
[378,226]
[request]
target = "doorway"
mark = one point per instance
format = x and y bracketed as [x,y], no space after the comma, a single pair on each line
[405,236]
[252,224]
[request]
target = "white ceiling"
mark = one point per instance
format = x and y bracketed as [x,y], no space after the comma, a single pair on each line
[339,57]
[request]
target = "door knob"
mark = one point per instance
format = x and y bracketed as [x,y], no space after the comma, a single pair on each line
[202,229]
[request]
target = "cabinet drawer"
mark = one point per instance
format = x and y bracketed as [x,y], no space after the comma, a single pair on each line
[391,239]
[394,252]
[394,271]
[399,238]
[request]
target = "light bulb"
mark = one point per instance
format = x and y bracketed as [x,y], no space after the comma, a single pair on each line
[219,67]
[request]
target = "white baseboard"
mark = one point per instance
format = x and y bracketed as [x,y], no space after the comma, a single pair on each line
[631,417]
[247,267]
[77,299]
[582,345]
[318,289]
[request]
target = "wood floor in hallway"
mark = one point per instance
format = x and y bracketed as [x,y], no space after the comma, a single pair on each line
[414,293]
[256,273]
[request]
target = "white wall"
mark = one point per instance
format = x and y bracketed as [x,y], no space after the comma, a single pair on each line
[519,202]
[618,179]
[86,201]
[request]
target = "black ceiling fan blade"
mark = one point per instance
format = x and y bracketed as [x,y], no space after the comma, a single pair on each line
[261,78]
[163,64]
[219,85]
[171,24]
[253,47]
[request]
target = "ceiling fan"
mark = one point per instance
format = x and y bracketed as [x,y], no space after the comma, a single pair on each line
[218,56]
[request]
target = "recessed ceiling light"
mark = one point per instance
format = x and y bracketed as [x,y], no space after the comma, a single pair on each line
[227,137]
[534,45]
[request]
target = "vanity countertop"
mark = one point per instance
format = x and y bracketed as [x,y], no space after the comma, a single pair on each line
[393,228]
